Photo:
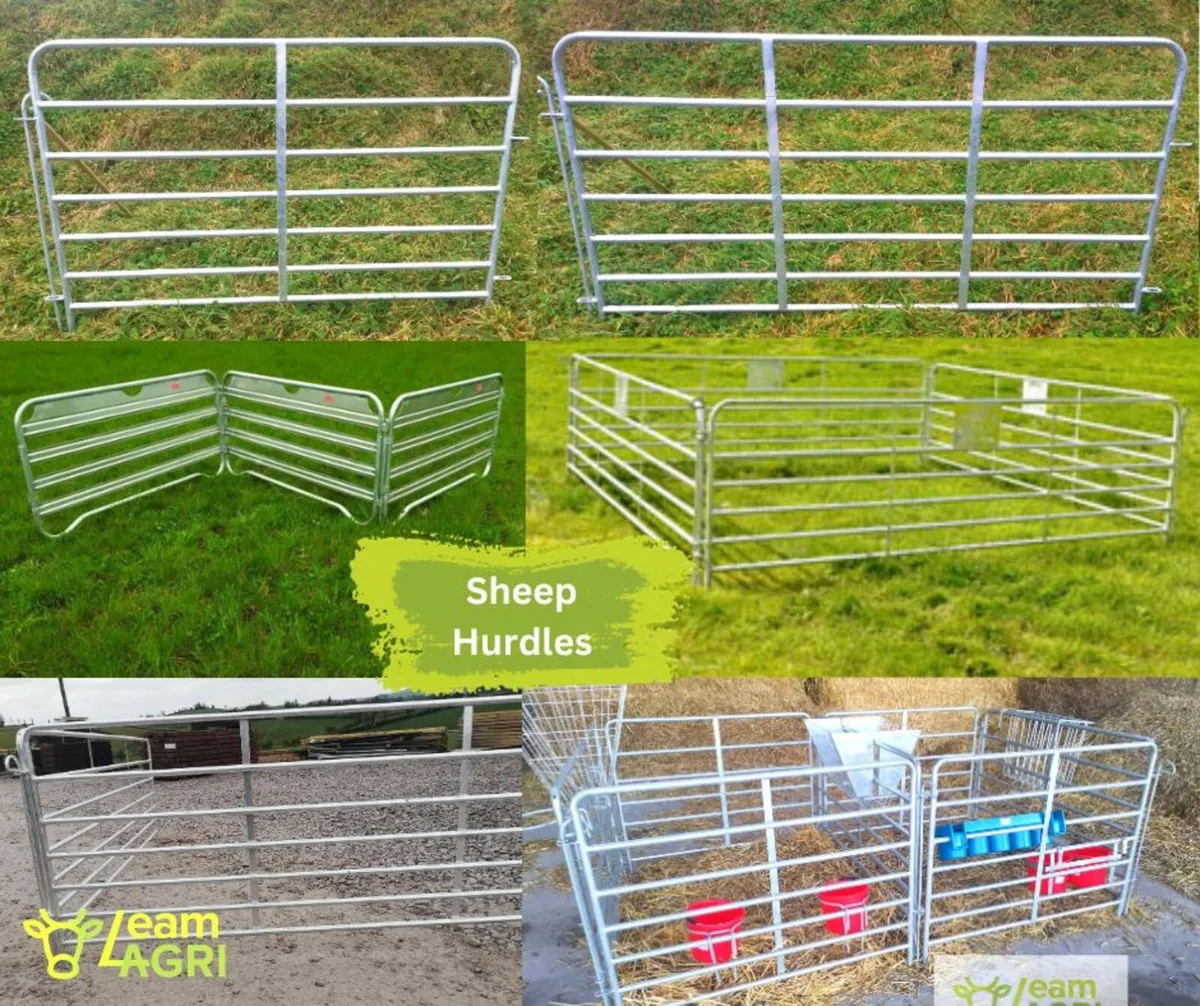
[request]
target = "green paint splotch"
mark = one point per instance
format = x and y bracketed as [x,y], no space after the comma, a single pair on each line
[625,595]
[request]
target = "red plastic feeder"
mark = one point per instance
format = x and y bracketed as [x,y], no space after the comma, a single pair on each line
[845,905]
[716,922]
[1094,875]
[1052,883]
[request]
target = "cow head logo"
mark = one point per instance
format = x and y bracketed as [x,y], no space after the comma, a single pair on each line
[63,965]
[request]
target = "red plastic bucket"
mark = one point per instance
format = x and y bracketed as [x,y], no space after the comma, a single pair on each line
[1094,875]
[715,922]
[1052,883]
[845,906]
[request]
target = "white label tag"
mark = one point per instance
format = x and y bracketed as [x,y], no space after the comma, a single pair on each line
[1035,391]
[621,395]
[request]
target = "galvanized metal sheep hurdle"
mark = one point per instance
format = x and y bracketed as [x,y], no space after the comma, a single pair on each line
[752,463]
[613,245]
[958,822]
[64,240]
[85,452]
[371,843]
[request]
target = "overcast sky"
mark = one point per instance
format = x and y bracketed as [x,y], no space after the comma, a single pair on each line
[119,698]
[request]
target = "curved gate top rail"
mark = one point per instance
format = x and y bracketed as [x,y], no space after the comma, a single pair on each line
[635,224]
[84,452]
[66,243]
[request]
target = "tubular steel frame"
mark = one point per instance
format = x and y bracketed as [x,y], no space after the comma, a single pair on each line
[337,442]
[117,833]
[697,465]
[979,765]
[43,157]
[590,241]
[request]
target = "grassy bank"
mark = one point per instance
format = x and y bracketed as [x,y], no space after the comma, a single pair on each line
[536,250]
[1087,608]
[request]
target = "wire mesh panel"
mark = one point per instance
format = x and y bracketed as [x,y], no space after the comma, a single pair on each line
[196,171]
[1052,826]
[440,438]
[804,460]
[84,452]
[554,721]
[320,441]
[710,172]
[357,843]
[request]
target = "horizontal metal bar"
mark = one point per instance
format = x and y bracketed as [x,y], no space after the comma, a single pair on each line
[115,460]
[846,306]
[87,495]
[268,153]
[241,878]
[725,154]
[255,232]
[128,433]
[305,474]
[147,197]
[297,450]
[279,843]
[929,550]
[128,104]
[847,236]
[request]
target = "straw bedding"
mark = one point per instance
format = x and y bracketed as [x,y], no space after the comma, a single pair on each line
[887,973]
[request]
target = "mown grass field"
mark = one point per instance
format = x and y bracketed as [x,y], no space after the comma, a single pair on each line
[224,576]
[536,250]
[1089,608]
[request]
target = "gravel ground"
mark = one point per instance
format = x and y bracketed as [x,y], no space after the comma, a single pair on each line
[415,966]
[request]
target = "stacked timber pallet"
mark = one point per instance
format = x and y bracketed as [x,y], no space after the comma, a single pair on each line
[492,730]
[202,747]
[376,743]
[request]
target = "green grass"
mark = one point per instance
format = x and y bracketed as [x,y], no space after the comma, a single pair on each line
[1090,608]
[540,300]
[228,576]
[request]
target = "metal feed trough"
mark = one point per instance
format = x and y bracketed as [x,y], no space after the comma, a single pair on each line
[711,855]
[711,172]
[755,463]
[395,840]
[130,217]
[84,452]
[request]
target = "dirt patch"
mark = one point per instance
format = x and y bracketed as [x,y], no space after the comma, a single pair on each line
[416,966]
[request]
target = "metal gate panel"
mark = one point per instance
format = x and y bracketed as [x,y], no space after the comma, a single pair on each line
[646,952]
[331,444]
[751,463]
[440,438]
[226,245]
[84,452]
[320,845]
[327,439]
[1042,806]
[617,227]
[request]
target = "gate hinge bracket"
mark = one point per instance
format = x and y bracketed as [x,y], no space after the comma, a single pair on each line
[502,279]
[1181,144]
[1152,289]
[585,300]
[519,139]
[550,115]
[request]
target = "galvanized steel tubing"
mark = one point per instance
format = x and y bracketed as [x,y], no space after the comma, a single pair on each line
[592,238]
[751,463]
[45,151]
[93,831]
[84,452]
